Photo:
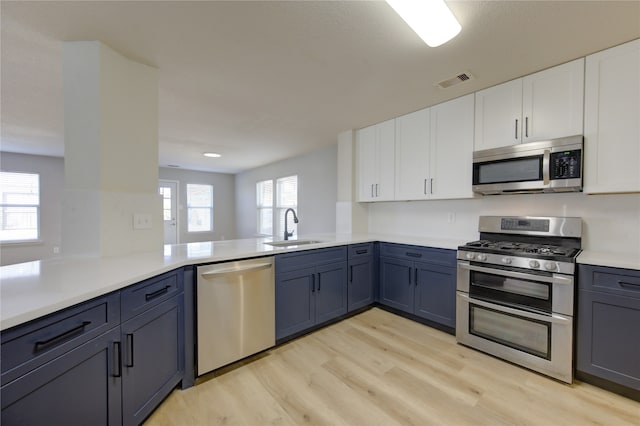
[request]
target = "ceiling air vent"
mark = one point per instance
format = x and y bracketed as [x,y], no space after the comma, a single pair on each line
[460,78]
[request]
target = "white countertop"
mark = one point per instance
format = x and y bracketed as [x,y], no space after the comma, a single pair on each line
[613,260]
[34,289]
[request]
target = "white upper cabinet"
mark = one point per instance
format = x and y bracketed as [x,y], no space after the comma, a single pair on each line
[612,120]
[375,147]
[412,155]
[499,115]
[553,102]
[434,149]
[452,148]
[544,105]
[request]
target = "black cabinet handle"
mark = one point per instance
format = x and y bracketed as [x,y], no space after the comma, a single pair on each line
[313,283]
[516,128]
[363,251]
[150,296]
[351,273]
[414,254]
[415,275]
[45,344]
[129,350]
[319,281]
[117,370]
[526,127]
[628,284]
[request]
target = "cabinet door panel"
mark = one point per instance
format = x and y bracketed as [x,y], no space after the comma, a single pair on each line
[612,124]
[366,171]
[295,303]
[412,156]
[553,102]
[361,280]
[152,359]
[385,161]
[435,296]
[608,341]
[396,283]
[77,388]
[498,115]
[331,291]
[451,153]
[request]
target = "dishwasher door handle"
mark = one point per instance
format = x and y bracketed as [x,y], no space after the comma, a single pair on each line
[236,270]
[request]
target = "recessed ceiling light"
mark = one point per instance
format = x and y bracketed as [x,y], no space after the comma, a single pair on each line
[212,155]
[432,20]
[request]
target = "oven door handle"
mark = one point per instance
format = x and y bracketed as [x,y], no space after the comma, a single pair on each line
[553,318]
[554,279]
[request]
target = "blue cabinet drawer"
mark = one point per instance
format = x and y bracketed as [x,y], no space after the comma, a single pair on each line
[360,250]
[146,294]
[28,346]
[416,253]
[309,258]
[623,282]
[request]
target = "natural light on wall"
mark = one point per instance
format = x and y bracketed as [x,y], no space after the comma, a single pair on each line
[430,19]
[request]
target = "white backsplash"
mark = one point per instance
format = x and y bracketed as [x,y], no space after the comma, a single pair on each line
[610,222]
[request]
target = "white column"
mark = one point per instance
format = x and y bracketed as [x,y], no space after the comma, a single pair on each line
[111,153]
[351,217]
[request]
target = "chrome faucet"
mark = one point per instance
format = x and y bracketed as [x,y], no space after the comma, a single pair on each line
[288,234]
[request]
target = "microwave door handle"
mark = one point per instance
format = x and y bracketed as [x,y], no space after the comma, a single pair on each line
[555,279]
[545,166]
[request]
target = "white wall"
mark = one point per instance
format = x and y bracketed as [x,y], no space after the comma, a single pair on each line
[224,205]
[611,222]
[51,170]
[317,191]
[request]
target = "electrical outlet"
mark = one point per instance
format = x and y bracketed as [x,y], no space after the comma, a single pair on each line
[56,250]
[451,218]
[141,221]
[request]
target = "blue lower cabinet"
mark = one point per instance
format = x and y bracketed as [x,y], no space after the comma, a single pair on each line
[81,387]
[361,287]
[608,340]
[83,366]
[311,288]
[331,291]
[310,296]
[420,281]
[396,283]
[435,293]
[295,302]
[152,359]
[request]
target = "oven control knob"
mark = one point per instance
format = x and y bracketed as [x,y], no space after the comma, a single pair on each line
[550,266]
[482,257]
[471,256]
[534,264]
[506,260]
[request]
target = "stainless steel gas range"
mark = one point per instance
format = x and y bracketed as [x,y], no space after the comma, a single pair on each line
[515,291]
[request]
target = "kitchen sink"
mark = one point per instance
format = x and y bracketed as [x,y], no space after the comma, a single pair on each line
[292,243]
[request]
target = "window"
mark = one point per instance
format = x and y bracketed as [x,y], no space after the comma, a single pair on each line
[19,206]
[166,202]
[264,191]
[199,208]
[273,205]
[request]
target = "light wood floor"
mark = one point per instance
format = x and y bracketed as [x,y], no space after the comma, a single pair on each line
[381,369]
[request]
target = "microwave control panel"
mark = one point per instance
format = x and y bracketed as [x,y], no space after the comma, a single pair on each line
[565,164]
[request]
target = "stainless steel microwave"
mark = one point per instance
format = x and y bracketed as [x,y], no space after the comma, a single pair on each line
[534,167]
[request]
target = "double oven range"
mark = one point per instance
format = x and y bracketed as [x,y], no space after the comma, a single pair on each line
[515,291]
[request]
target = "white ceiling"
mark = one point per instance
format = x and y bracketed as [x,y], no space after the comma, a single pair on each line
[263,81]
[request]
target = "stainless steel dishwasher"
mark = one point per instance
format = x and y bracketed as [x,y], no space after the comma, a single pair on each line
[235,311]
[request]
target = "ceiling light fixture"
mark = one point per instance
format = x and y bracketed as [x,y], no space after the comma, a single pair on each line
[432,20]
[212,155]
